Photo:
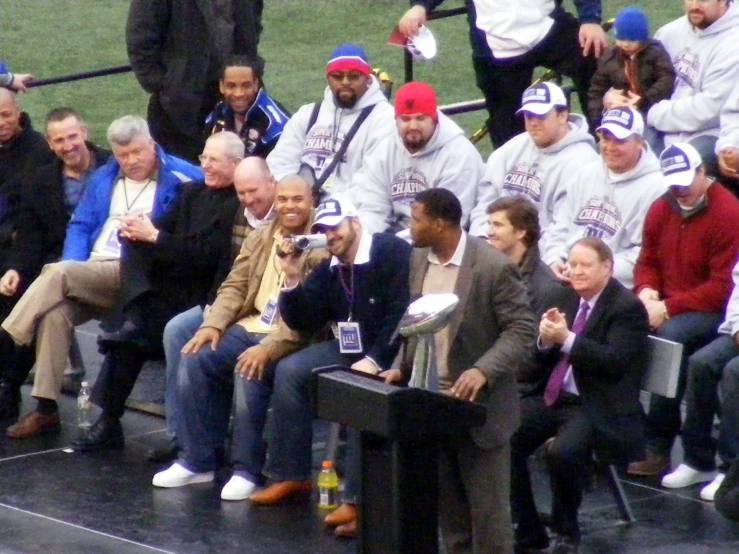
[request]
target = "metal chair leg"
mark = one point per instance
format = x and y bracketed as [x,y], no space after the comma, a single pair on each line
[619,495]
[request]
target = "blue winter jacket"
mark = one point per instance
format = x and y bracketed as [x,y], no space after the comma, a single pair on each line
[94,206]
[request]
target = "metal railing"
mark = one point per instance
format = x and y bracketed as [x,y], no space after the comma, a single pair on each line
[79,76]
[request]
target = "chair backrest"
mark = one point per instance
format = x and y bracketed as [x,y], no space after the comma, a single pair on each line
[663,371]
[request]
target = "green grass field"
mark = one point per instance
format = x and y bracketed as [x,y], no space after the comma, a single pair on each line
[52,38]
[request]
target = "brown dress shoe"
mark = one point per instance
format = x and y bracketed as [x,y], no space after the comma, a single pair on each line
[346,513]
[348,530]
[654,464]
[279,492]
[35,423]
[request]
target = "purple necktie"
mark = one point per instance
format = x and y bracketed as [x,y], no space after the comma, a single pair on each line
[557,378]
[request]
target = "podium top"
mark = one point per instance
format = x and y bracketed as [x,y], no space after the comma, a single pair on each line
[368,404]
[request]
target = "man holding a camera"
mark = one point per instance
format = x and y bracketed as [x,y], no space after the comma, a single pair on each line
[361,292]
[242,329]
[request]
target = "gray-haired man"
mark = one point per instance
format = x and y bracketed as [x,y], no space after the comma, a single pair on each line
[139,180]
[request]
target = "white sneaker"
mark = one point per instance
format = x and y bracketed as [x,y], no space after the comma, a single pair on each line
[178,476]
[709,491]
[237,488]
[684,476]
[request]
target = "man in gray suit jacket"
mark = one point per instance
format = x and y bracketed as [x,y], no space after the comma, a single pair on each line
[491,333]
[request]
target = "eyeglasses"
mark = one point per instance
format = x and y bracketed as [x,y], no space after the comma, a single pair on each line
[212,160]
[341,76]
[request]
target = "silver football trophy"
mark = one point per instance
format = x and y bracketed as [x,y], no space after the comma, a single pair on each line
[424,318]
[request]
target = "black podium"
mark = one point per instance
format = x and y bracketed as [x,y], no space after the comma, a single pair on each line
[401,429]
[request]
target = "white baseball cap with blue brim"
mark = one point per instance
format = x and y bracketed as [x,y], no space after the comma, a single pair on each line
[622,123]
[679,163]
[332,212]
[541,98]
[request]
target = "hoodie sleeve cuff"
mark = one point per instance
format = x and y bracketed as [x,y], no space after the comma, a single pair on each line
[589,11]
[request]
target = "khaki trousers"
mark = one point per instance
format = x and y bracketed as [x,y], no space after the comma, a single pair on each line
[65,294]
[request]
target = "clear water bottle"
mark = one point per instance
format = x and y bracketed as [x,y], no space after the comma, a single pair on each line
[84,406]
[328,486]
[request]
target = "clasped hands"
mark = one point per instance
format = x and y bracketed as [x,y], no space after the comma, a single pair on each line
[656,309]
[616,98]
[553,328]
[137,227]
[728,162]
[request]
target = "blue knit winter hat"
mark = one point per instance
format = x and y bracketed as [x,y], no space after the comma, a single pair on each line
[631,24]
[347,57]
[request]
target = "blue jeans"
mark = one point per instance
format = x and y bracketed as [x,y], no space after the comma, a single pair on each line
[289,450]
[178,331]
[248,449]
[693,330]
[204,395]
[713,364]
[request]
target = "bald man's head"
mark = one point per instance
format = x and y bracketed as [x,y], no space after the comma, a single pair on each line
[293,204]
[10,115]
[255,186]
[296,182]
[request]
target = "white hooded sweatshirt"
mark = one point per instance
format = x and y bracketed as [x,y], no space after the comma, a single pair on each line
[383,189]
[513,28]
[608,206]
[729,135]
[327,134]
[520,168]
[707,66]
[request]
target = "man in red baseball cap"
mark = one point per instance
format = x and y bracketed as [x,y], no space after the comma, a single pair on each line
[428,151]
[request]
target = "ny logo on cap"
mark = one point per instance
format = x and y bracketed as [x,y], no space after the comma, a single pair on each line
[624,118]
[328,208]
[539,94]
[674,164]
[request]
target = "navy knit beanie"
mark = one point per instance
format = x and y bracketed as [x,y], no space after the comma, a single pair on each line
[631,24]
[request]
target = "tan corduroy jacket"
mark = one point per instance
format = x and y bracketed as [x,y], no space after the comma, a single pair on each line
[236,296]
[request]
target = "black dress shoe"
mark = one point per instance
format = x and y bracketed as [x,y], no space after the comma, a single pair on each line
[532,544]
[72,383]
[10,401]
[166,454]
[128,333]
[104,435]
[565,545]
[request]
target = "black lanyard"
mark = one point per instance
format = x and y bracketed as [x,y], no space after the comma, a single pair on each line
[348,290]
[125,194]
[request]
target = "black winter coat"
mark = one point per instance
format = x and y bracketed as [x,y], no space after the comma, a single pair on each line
[654,72]
[41,225]
[170,47]
[18,158]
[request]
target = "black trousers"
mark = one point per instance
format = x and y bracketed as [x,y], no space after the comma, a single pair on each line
[117,377]
[503,81]
[567,459]
[16,361]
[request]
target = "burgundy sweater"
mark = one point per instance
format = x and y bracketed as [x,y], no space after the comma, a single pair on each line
[688,260]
